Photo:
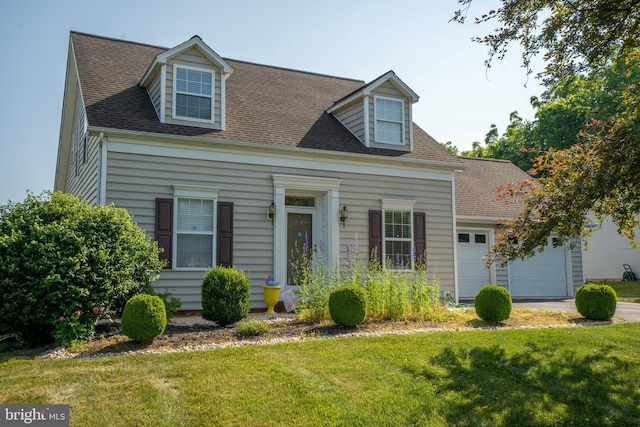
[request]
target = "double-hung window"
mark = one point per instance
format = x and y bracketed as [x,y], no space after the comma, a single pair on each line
[389,119]
[398,239]
[194,230]
[193,93]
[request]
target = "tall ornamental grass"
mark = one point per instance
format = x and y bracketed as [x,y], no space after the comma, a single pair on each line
[391,293]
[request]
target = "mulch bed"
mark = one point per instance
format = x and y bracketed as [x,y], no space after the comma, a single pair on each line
[184,336]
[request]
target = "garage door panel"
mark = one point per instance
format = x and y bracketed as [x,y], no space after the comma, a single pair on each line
[543,275]
[473,273]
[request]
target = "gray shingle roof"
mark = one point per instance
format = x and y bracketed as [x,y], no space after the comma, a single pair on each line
[476,188]
[264,104]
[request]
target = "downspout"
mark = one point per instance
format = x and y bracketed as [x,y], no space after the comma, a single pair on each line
[102,169]
[455,235]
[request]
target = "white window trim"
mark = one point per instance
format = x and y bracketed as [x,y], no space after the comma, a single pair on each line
[196,192]
[376,133]
[175,92]
[404,205]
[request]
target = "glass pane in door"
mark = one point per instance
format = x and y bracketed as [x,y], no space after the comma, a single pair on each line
[299,239]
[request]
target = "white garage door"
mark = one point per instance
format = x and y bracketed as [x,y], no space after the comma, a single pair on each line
[473,273]
[544,275]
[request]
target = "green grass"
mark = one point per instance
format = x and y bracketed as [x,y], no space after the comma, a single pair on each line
[626,291]
[524,377]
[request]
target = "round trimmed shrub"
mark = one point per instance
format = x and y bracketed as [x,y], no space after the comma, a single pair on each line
[347,305]
[225,296]
[596,302]
[493,303]
[144,318]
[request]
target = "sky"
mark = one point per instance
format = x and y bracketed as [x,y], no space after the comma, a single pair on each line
[360,39]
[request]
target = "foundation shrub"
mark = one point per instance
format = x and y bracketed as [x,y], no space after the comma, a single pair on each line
[144,318]
[347,305]
[225,296]
[493,303]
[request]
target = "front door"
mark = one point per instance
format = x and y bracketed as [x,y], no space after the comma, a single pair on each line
[299,240]
[301,231]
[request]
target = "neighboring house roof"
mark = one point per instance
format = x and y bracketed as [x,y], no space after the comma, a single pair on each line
[264,104]
[477,188]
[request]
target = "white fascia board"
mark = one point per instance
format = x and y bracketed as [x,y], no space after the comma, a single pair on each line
[260,154]
[367,90]
[397,82]
[71,87]
[194,41]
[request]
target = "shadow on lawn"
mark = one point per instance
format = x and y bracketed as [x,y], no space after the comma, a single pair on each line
[535,387]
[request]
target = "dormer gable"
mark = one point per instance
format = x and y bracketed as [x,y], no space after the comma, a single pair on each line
[379,114]
[186,85]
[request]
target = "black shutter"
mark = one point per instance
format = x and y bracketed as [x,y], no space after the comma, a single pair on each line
[419,235]
[164,228]
[224,234]
[375,236]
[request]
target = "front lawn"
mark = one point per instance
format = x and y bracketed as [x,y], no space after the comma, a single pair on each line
[525,377]
[626,291]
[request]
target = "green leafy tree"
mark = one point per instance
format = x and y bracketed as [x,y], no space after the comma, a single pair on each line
[513,145]
[574,37]
[64,263]
[452,148]
[584,43]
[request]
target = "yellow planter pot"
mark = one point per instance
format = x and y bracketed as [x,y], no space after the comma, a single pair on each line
[271,296]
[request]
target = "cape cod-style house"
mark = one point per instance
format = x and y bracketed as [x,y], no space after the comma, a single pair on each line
[227,162]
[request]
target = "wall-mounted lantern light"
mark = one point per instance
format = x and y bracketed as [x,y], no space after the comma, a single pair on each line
[271,212]
[344,214]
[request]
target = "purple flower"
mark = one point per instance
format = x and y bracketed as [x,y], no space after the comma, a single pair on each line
[356,244]
[348,255]
[305,245]
[413,253]
[398,259]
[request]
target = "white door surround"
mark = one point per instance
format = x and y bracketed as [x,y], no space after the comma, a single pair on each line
[326,217]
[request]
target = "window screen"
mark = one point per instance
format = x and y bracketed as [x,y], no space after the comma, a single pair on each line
[194,93]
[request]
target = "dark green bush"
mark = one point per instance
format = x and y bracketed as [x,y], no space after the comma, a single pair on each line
[64,263]
[144,318]
[596,302]
[348,305]
[225,296]
[493,303]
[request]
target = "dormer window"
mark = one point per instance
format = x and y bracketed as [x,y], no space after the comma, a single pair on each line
[193,93]
[389,118]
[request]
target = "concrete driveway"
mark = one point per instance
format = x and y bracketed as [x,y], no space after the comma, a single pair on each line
[628,311]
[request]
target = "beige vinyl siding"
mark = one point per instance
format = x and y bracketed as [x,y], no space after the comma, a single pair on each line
[135,181]
[364,192]
[352,117]
[576,264]
[193,58]
[155,93]
[388,90]
[502,276]
[84,185]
